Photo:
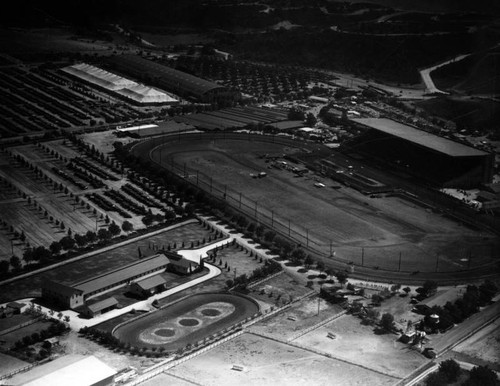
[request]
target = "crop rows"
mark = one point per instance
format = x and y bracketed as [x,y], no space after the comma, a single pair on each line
[107,205]
[125,202]
[139,196]
[94,169]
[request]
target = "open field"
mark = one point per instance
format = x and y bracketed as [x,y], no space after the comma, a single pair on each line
[8,363]
[103,262]
[188,321]
[484,345]
[359,344]
[234,257]
[269,362]
[297,318]
[373,232]
[12,337]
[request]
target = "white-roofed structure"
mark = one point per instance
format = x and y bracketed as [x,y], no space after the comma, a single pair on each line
[74,370]
[126,88]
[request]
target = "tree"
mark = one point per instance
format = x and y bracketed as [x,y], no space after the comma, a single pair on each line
[308,261]
[114,229]
[436,379]
[103,234]
[127,226]
[15,262]
[67,243]
[387,322]
[482,375]
[80,240]
[269,236]
[342,277]
[330,272]
[4,267]
[450,369]
[91,236]
[429,287]
[320,266]
[407,290]
[55,248]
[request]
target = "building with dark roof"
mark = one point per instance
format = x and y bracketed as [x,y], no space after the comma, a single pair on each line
[435,160]
[172,80]
[77,295]
[149,286]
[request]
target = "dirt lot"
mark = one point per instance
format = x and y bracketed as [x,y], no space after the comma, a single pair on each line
[484,345]
[359,344]
[268,362]
[299,317]
[238,259]
[385,227]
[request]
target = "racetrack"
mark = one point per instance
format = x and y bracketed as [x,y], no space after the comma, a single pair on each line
[187,321]
[390,233]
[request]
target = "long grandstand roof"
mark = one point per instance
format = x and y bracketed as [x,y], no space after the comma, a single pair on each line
[420,137]
[127,88]
[182,80]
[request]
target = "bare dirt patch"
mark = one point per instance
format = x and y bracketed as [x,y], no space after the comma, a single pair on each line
[359,344]
[484,345]
[267,362]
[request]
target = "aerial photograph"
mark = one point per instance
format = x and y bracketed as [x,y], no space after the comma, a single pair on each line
[250,192]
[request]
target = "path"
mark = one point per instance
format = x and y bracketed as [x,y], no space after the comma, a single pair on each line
[425,74]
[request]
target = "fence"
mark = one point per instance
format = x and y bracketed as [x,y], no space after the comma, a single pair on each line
[17,327]
[317,325]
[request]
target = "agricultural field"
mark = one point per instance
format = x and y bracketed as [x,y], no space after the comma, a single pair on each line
[358,228]
[271,362]
[359,344]
[105,261]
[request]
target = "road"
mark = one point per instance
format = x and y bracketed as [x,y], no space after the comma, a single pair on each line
[425,74]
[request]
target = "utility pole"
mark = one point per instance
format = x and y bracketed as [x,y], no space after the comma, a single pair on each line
[240,200]
[437,261]
[272,218]
[399,266]
[288,227]
[362,257]
[307,237]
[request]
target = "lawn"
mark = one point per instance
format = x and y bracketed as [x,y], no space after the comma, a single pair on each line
[20,333]
[359,344]
[103,262]
[8,363]
[240,261]
[267,362]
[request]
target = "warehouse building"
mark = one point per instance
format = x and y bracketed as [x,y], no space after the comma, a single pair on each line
[124,88]
[180,83]
[77,295]
[435,160]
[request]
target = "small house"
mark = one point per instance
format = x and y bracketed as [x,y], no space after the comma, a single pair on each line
[149,286]
[100,307]
[181,265]
[17,308]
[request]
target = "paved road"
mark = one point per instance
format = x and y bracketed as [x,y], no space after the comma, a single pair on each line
[425,74]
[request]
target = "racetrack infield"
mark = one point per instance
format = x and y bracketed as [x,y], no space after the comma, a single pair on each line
[373,232]
[187,321]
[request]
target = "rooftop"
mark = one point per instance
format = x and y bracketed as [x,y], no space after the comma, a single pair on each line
[74,370]
[151,282]
[101,305]
[127,272]
[420,137]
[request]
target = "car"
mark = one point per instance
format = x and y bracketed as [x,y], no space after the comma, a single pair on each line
[319,185]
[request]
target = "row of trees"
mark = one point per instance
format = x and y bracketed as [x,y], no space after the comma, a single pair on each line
[449,372]
[456,312]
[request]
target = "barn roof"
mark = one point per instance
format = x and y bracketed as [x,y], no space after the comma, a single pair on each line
[124,273]
[151,282]
[101,305]
[177,79]
[420,137]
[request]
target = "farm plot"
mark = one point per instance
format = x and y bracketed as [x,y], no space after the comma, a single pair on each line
[301,316]
[103,262]
[341,219]
[359,344]
[268,362]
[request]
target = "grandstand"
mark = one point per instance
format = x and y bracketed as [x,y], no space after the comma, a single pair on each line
[177,82]
[435,160]
[123,87]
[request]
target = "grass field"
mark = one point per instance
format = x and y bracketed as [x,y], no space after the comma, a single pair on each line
[8,363]
[238,259]
[269,362]
[13,336]
[386,227]
[101,263]
[359,344]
